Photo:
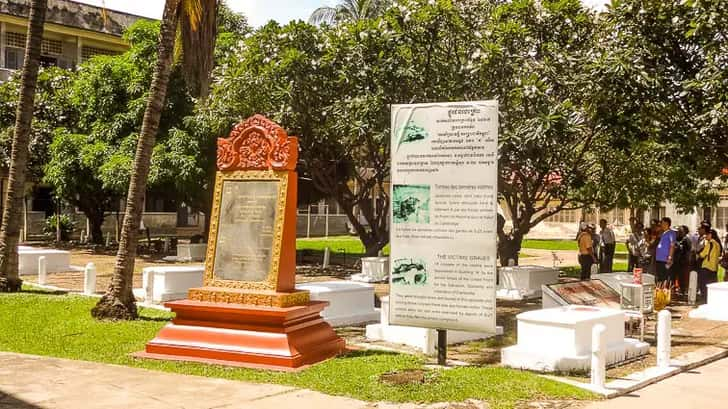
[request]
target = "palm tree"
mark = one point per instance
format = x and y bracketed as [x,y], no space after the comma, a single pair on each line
[118,301]
[10,230]
[348,10]
[197,43]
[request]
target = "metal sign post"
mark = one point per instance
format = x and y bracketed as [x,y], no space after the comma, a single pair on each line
[442,347]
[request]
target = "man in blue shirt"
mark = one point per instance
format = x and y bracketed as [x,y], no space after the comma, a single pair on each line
[665,250]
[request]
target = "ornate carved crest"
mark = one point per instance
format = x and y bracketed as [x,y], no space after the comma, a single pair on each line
[257,144]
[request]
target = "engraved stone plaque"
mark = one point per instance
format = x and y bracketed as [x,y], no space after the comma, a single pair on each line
[245,230]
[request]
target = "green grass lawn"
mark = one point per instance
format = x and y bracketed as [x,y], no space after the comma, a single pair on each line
[352,245]
[61,326]
[561,245]
[337,244]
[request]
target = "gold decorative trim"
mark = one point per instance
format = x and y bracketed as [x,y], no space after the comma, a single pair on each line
[249,297]
[272,280]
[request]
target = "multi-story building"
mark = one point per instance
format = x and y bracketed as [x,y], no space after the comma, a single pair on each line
[73,32]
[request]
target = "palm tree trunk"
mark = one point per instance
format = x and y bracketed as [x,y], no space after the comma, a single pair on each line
[9,277]
[118,301]
[198,34]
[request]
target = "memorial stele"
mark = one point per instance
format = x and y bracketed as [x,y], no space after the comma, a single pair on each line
[249,312]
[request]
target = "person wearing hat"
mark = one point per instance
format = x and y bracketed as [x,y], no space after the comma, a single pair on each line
[586,251]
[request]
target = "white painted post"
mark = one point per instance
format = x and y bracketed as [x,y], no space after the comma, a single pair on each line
[167,244]
[42,270]
[79,51]
[89,279]
[149,287]
[83,236]
[693,288]
[24,231]
[327,257]
[21,236]
[599,356]
[308,222]
[664,327]
[108,239]
[2,54]
[327,221]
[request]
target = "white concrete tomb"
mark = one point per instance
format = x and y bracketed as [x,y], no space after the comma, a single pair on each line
[373,270]
[57,261]
[717,307]
[349,302]
[191,251]
[169,283]
[424,339]
[524,282]
[559,339]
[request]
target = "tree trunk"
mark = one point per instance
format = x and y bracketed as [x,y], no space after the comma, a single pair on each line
[509,245]
[372,249]
[198,45]
[118,301]
[9,277]
[511,249]
[95,221]
[58,221]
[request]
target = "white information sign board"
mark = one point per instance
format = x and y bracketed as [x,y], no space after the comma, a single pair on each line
[444,201]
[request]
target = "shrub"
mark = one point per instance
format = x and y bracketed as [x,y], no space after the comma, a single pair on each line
[67,227]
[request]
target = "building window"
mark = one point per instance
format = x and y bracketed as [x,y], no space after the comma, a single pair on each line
[51,47]
[565,216]
[721,217]
[14,58]
[15,39]
[657,213]
[15,51]
[88,52]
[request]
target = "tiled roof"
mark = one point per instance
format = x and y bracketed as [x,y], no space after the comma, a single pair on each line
[72,14]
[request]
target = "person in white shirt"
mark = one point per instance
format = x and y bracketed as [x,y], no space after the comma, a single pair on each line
[634,246]
[609,243]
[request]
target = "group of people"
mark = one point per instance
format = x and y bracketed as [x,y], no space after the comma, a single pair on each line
[596,248]
[669,254]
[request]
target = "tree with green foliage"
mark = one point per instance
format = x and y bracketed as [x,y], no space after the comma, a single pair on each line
[10,231]
[89,161]
[532,58]
[645,94]
[349,11]
[73,172]
[332,87]
[52,109]
[118,301]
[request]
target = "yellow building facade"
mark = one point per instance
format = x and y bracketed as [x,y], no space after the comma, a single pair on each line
[73,33]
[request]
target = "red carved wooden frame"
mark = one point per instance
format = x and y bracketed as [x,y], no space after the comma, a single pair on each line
[257,144]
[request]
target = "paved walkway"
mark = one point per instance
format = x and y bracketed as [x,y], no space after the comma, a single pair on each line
[701,388]
[30,382]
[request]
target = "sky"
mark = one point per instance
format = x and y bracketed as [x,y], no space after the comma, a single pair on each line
[257,11]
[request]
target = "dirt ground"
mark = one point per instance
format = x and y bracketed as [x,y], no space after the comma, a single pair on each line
[104,262]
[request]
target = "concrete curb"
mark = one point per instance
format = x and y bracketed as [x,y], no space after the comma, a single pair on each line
[649,376]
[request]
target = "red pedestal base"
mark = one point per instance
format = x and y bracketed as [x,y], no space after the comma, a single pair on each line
[246,335]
